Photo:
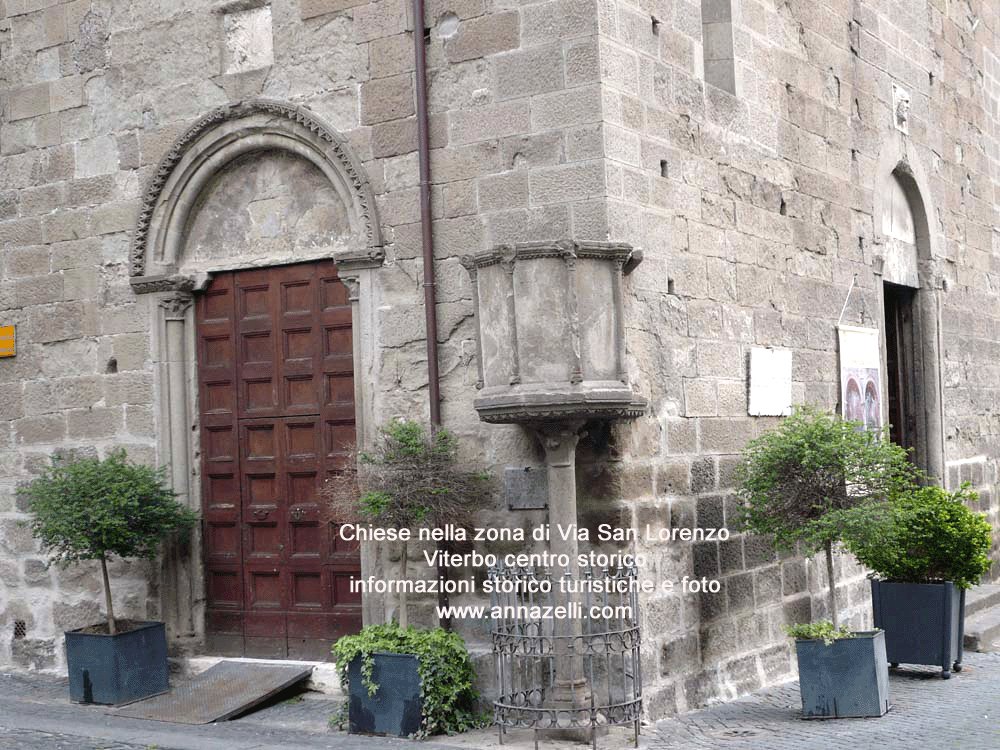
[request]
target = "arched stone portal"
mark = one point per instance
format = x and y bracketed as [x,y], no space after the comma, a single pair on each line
[251,185]
[909,298]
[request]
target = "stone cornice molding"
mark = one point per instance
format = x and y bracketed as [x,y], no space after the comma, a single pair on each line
[213,142]
[568,249]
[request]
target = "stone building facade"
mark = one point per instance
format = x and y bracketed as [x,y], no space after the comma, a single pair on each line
[782,165]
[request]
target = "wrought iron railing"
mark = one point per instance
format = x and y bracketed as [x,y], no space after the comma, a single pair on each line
[566,647]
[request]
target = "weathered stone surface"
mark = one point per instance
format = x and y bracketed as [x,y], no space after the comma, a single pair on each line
[535,70]
[483,36]
[385,99]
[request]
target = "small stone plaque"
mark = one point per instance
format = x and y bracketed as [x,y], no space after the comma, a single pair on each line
[249,43]
[770,382]
[526,487]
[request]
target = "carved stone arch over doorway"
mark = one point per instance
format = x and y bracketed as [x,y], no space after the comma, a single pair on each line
[221,150]
[910,286]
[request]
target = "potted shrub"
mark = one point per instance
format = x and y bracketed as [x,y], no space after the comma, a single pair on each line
[439,697]
[92,509]
[845,672]
[925,551]
[410,479]
[798,483]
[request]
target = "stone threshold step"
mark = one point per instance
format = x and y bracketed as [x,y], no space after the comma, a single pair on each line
[981,597]
[982,618]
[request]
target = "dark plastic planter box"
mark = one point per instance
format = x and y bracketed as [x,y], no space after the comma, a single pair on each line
[395,709]
[923,622]
[120,668]
[848,678]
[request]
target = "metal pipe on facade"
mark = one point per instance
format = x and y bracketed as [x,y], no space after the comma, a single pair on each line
[424,159]
[427,234]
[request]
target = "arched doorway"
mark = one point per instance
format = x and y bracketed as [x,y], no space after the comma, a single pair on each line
[910,318]
[255,245]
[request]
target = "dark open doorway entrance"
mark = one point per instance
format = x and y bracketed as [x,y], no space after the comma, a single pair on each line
[901,347]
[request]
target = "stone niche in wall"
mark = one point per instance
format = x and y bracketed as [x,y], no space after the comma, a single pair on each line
[265,208]
[552,332]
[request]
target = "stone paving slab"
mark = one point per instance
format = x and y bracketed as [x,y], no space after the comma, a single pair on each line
[962,713]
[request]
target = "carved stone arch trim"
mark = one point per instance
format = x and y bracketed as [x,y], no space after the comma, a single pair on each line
[216,140]
[897,162]
[168,282]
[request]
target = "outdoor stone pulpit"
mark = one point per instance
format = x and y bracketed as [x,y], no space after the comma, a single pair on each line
[551,334]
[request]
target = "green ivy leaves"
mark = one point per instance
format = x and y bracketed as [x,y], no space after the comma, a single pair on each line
[816,631]
[447,678]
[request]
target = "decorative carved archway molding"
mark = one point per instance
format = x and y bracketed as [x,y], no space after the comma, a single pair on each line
[162,274]
[225,134]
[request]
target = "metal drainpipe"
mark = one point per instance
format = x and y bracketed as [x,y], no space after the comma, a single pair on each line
[430,298]
[424,158]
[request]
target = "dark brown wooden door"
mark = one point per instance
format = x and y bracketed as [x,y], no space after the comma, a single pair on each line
[276,395]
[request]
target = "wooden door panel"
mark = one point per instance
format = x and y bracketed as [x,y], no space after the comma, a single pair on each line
[276,389]
[297,318]
[254,292]
[222,532]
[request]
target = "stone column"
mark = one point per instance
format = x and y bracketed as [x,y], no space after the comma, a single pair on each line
[179,585]
[372,605]
[559,440]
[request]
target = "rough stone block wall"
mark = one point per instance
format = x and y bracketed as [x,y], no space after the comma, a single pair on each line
[584,119]
[755,213]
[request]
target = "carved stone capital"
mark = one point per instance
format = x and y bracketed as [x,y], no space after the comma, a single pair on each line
[175,307]
[167,283]
[559,441]
[353,284]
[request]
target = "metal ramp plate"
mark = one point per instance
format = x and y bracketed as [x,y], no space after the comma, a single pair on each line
[219,693]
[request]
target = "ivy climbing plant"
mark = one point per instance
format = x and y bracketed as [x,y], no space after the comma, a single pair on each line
[447,679]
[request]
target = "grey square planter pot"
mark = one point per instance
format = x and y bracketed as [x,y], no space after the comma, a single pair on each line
[848,678]
[923,622]
[396,707]
[115,669]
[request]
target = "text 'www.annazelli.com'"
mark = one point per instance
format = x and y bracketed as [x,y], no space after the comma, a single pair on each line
[536,612]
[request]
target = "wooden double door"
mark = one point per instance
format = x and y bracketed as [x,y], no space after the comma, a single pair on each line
[276,404]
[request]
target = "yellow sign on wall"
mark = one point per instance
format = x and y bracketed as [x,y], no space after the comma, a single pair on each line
[8,346]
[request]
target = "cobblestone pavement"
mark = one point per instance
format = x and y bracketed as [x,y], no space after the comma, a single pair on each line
[962,713]
[26,739]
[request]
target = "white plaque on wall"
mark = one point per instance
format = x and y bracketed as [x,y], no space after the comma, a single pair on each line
[770,382]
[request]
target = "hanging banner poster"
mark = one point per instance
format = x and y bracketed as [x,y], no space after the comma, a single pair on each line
[860,378]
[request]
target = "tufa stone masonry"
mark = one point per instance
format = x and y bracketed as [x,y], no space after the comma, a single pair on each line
[781,166]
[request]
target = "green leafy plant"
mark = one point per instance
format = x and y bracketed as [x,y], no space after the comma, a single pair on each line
[447,679]
[92,509]
[409,479]
[797,481]
[926,535]
[823,630]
